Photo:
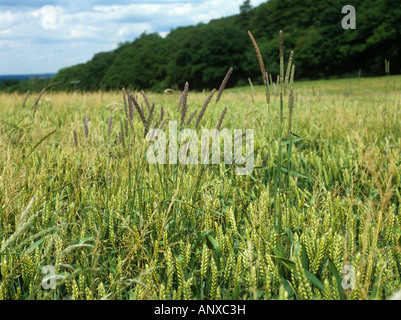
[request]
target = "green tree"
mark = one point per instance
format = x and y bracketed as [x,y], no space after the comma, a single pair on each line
[245,8]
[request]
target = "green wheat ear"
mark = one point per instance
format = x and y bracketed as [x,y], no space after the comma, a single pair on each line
[287,74]
[281,76]
[266,79]
[291,102]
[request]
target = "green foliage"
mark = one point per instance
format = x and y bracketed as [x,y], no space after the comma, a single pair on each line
[204,54]
[139,65]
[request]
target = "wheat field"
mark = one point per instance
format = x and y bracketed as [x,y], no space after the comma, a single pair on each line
[318,218]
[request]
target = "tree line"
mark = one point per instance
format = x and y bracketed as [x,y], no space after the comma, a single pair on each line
[203,53]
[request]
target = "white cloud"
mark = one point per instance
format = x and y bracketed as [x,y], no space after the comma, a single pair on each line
[133,29]
[6,44]
[181,10]
[163,34]
[7,18]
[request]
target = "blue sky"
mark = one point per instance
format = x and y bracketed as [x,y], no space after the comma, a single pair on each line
[42,36]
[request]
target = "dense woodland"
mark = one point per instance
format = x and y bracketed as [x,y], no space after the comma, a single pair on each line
[203,53]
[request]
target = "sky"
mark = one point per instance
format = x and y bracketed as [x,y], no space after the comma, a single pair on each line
[42,36]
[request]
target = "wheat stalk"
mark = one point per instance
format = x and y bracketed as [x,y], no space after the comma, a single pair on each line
[223,84]
[161,117]
[125,104]
[146,100]
[281,45]
[86,127]
[26,97]
[183,104]
[221,118]
[75,138]
[258,55]
[191,117]
[121,138]
[265,159]
[203,109]
[287,74]
[150,118]
[267,89]
[137,107]
[183,96]
[109,125]
[130,110]
[291,101]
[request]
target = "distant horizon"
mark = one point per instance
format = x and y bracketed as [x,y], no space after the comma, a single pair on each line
[27,74]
